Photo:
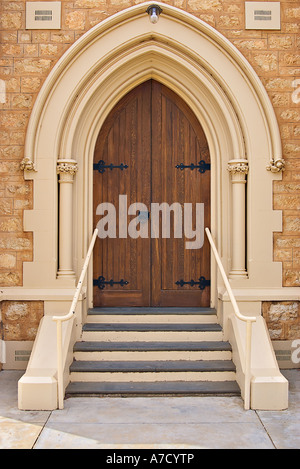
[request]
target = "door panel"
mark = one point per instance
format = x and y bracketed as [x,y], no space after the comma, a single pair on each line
[177,137]
[151,130]
[125,138]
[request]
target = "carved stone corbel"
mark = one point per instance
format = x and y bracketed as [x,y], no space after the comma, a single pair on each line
[27,164]
[275,166]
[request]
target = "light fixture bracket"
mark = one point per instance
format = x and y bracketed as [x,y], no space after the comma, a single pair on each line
[154,11]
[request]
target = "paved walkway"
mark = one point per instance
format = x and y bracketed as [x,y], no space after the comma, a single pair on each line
[148,423]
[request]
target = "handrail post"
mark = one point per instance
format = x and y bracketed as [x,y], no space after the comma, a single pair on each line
[60,377]
[248,319]
[248,365]
[60,319]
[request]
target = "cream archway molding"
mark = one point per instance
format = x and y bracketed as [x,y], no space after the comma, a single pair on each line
[215,80]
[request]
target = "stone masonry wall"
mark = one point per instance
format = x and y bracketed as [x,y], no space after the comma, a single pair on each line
[283,319]
[27,56]
[21,319]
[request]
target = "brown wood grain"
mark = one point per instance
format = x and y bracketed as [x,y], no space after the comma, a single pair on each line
[152,130]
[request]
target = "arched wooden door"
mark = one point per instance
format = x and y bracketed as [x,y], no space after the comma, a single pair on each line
[145,154]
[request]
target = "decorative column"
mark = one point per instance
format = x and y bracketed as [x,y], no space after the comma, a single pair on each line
[66,169]
[238,170]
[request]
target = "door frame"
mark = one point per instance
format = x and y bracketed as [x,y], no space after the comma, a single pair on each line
[217,83]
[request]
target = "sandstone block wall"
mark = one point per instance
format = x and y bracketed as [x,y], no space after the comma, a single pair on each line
[26,58]
[21,319]
[283,319]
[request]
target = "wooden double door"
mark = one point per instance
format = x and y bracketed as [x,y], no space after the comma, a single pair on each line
[144,155]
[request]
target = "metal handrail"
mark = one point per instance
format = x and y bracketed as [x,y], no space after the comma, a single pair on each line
[60,319]
[248,319]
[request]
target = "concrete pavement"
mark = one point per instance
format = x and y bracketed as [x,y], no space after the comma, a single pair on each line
[148,423]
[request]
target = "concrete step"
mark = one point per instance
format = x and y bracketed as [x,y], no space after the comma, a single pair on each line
[208,350]
[147,371]
[163,388]
[151,332]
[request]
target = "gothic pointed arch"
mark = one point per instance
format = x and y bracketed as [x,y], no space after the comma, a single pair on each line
[209,74]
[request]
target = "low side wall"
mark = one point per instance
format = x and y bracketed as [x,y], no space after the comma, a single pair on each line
[269,388]
[37,388]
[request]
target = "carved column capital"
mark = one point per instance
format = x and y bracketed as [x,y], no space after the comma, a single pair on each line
[66,169]
[238,170]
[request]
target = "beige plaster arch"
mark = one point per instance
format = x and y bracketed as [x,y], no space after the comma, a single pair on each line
[208,72]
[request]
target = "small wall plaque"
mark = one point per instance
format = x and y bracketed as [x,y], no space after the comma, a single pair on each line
[262,15]
[43,15]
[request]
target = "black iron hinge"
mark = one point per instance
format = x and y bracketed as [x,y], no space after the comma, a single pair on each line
[202,283]
[201,166]
[100,282]
[101,166]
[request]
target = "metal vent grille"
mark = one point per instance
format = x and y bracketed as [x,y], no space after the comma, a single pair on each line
[263,15]
[43,15]
[22,355]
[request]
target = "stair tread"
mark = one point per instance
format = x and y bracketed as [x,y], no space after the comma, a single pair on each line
[151,311]
[152,366]
[139,327]
[90,346]
[154,388]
